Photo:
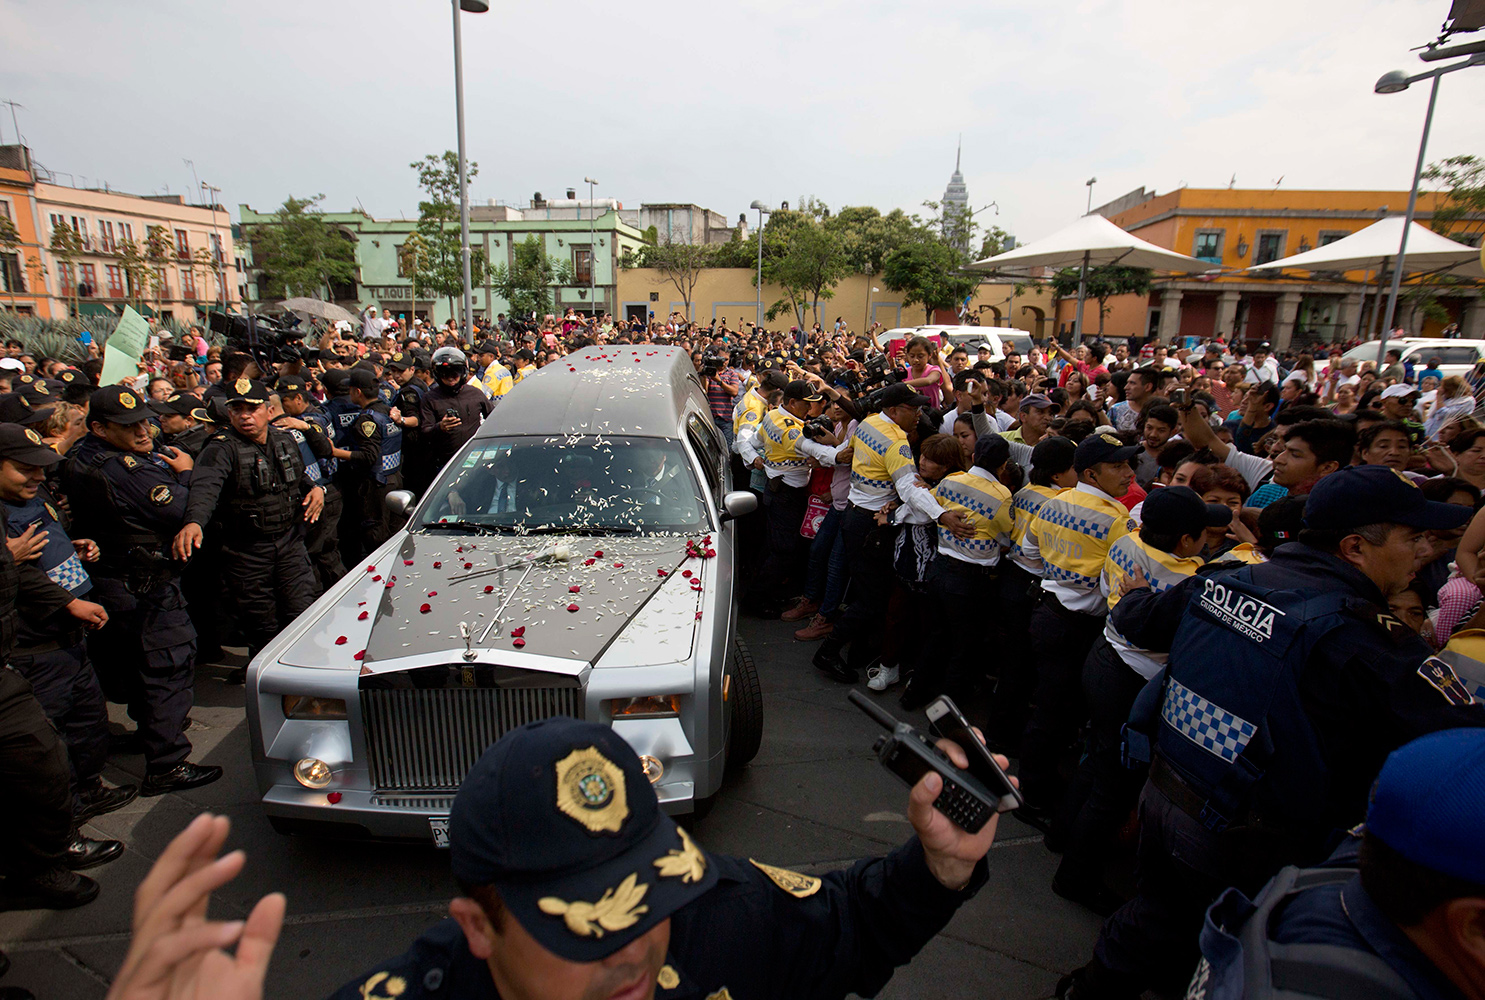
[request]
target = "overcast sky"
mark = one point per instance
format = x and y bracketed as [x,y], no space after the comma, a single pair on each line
[854,102]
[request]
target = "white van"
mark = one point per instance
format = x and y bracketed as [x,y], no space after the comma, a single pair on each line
[1456,357]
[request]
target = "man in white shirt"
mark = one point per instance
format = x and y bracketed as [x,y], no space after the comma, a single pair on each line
[1262,366]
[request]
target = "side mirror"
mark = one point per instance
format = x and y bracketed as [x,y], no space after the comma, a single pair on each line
[401,502]
[734,505]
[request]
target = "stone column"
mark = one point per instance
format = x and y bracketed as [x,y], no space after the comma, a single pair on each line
[1472,320]
[1170,314]
[1347,316]
[1284,319]
[1227,303]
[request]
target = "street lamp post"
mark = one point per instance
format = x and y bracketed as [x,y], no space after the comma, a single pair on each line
[762,211]
[472,7]
[1394,83]
[592,248]
[220,251]
[1090,182]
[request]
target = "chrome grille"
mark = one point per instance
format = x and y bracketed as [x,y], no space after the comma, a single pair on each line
[427,740]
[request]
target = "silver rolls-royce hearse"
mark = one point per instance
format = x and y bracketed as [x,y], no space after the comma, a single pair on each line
[574,558]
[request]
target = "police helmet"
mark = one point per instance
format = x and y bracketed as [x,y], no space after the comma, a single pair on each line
[449,361]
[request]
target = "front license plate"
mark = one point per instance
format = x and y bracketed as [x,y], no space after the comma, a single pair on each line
[440,827]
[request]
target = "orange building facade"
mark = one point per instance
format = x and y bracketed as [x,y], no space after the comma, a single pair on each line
[1235,229]
[22,267]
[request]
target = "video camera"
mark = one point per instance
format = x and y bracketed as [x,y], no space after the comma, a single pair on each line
[269,341]
[711,364]
[817,428]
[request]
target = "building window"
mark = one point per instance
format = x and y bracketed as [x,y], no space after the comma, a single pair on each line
[115,275]
[1329,236]
[1208,245]
[87,280]
[12,277]
[582,265]
[127,230]
[80,226]
[5,210]
[182,245]
[216,247]
[188,285]
[162,287]
[105,235]
[1270,246]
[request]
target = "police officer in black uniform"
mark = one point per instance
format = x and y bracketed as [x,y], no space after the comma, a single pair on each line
[338,406]
[310,428]
[596,881]
[373,468]
[249,485]
[404,370]
[131,500]
[180,427]
[1287,685]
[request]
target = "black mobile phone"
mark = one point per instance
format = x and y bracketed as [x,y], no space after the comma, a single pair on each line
[451,412]
[947,722]
[909,753]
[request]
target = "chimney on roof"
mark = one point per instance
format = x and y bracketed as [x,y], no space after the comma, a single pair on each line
[571,194]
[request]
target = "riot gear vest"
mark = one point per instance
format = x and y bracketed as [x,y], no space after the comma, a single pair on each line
[117,527]
[341,413]
[319,470]
[390,462]
[264,495]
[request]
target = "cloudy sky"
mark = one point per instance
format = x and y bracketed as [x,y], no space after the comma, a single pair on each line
[854,102]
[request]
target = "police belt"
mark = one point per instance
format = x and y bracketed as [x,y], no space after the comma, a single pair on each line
[1193,803]
[67,640]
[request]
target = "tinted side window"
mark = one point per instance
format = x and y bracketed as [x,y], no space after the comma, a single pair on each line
[709,450]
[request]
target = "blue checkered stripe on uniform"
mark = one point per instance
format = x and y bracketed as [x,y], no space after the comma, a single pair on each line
[871,484]
[1079,519]
[1209,726]
[69,573]
[874,441]
[392,462]
[1029,505]
[974,546]
[1161,578]
[1055,572]
[971,499]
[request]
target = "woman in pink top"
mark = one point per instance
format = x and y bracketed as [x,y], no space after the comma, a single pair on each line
[928,379]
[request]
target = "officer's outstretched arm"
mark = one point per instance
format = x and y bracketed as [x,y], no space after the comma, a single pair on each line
[1149,620]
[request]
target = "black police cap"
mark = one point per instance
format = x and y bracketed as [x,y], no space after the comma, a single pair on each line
[181,405]
[246,390]
[22,444]
[361,378]
[398,361]
[15,410]
[118,404]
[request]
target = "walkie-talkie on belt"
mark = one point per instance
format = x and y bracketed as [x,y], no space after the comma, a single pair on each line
[910,753]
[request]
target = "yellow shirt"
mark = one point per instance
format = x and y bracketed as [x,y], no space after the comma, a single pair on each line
[497,380]
[1027,501]
[880,457]
[1072,534]
[748,410]
[523,372]
[980,499]
[779,433]
[1163,570]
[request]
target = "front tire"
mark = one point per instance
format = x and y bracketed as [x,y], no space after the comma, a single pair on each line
[745,703]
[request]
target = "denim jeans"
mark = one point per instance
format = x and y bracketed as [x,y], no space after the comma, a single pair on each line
[725,426]
[826,579]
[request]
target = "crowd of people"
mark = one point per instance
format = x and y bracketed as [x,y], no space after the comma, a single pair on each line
[1037,537]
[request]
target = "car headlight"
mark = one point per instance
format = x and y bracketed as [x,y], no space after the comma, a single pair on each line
[302,706]
[312,773]
[649,706]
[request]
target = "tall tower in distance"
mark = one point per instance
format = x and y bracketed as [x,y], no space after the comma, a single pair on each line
[956,203]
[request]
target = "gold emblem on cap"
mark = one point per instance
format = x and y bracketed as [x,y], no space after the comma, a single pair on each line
[40,387]
[797,885]
[590,789]
[721,994]
[688,864]
[127,401]
[243,385]
[394,986]
[32,436]
[668,978]
[1110,439]
[617,910]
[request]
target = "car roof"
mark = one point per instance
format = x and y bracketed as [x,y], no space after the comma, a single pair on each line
[615,389]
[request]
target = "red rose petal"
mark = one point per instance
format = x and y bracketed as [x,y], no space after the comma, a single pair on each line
[407,562]
[363,616]
[661,572]
[432,593]
[698,616]
[598,554]
[361,654]
[588,562]
[340,640]
[377,578]
[438,565]
[389,584]
[572,607]
[710,553]
[469,565]
[360,604]
[517,632]
[575,589]
[459,548]
[686,573]
[332,797]
[618,565]
[371,569]
[425,609]
[518,643]
[489,590]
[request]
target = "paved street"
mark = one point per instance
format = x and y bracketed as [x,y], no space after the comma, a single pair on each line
[814,800]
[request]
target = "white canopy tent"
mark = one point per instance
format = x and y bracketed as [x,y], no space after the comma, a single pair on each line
[1375,247]
[1092,241]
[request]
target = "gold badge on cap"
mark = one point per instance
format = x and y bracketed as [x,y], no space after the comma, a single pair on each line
[797,885]
[127,401]
[590,789]
[32,436]
[1110,439]
[390,985]
[243,385]
[688,864]
[40,387]
[617,910]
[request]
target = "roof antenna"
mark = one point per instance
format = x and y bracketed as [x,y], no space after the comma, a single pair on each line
[1232,183]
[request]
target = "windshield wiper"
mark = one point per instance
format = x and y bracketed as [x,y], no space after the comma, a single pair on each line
[582,529]
[479,527]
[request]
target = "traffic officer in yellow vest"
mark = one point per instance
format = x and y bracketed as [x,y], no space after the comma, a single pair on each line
[785,459]
[496,379]
[963,577]
[748,412]
[1072,534]
[882,471]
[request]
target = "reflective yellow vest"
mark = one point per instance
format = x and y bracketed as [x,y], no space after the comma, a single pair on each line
[779,431]
[879,448]
[1074,532]
[984,503]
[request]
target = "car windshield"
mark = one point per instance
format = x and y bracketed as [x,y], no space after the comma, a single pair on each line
[577,483]
[1368,351]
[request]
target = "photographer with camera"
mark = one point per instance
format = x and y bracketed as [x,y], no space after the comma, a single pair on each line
[723,384]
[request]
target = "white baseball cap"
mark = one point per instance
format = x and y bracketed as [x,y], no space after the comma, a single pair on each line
[12,364]
[1400,390]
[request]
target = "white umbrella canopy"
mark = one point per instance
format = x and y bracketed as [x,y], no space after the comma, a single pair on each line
[1376,246]
[328,311]
[1095,241]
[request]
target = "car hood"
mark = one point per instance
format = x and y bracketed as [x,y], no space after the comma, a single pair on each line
[413,604]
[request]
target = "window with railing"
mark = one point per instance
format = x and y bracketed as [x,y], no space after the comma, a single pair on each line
[182,245]
[582,265]
[188,286]
[1208,245]
[115,275]
[87,280]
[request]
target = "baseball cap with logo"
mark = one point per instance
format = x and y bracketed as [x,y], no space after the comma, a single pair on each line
[246,390]
[118,404]
[15,410]
[21,444]
[398,361]
[1097,448]
[181,405]
[799,389]
[1376,494]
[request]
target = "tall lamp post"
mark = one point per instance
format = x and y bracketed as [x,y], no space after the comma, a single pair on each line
[762,211]
[220,250]
[1090,182]
[472,7]
[1394,83]
[592,247]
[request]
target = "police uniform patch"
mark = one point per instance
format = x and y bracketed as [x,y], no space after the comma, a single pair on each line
[383,986]
[161,495]
[127,401]
[130,462]
[32,436]
[797,885]
[368,428]
[51,511]
[668,978]
[1441,677]
[590,790]
[616,910]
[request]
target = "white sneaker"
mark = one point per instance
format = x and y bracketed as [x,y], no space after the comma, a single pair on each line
[881,678]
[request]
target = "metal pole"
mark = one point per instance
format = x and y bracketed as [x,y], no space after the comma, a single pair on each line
[760,268]
[1082,294]
[866,320]
[463,176]
[592,250]
[1402,248]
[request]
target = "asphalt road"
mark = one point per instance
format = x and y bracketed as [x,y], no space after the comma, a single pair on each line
[815,799]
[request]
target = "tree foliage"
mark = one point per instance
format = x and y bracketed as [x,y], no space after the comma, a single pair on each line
[926,272]
[1461,184]
[681,263]
[1103,284]
[67,246]
[442,273]
[527,283]
[300,253]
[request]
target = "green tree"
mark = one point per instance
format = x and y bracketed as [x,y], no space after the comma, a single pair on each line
[438,225]
[67,246]
[158,249]
[1103,284]
[1461,186]
[137,271]
[527,283]
[680,263]
[10,252]
[302,254]
[927,273]
[867,236]
[804,256]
